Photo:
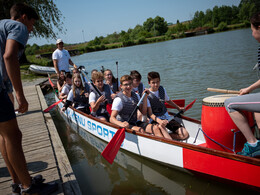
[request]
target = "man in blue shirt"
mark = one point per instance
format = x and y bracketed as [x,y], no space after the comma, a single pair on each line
[14,34]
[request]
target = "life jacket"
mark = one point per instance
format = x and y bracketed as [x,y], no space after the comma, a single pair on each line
[80,101]
[129,105]
[140,89]
[157,104]
[87,87]
[115,87]
[102,107]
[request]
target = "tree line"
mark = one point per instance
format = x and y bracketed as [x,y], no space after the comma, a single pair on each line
[154,29]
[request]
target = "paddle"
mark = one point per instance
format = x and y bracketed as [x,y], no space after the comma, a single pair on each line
[50,81]
[223,91]
[180,102]
[186,108]
[52,106]
[117,87]
[82,70]
[113,146]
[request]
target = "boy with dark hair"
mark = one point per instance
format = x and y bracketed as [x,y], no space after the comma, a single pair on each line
[138,86]
[14,34]
[125,103]
[157,97]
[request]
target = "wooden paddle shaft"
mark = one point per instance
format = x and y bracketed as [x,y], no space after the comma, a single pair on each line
[223,91]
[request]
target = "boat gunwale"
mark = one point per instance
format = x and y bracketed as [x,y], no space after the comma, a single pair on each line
[197,148]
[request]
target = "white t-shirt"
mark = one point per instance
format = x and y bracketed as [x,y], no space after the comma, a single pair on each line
[156,93]
[92,95]
[118,104]
[66,89]
[63,57]
[166,116]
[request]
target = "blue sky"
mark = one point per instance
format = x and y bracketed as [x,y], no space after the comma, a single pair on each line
[86,19]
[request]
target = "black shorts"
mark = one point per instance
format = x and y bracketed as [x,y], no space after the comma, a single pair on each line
[172,125]
[6,107]
[141,124]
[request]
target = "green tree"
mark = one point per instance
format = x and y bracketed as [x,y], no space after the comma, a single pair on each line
[50,16]
[134,32]
[157,26]
[161,25]
[148,24]
[255,2]
[246,11]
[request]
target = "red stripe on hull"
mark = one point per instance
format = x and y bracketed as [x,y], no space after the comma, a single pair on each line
[221,167]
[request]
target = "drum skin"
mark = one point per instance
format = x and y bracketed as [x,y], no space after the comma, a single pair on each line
[218,125]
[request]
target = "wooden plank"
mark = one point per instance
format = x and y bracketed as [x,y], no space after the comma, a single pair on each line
[50,175]
[70,184]
[42,147]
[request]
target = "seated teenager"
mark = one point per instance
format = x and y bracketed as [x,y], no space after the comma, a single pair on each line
[125,103]
[75,70]
[67,86]
[111,81]
[138,86]
[61,80]
[156,98]
[98,103]
[78,95]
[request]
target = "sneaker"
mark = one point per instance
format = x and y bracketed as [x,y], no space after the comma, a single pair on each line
[250,151]
[16,190]
[40,188]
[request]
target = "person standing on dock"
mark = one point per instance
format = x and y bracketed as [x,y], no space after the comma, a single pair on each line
[14,34]
[247,102]
[61,58]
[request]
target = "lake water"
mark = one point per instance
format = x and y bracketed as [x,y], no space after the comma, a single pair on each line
[187,68]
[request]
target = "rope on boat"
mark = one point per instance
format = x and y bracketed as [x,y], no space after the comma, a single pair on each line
[234,138]
[200,129]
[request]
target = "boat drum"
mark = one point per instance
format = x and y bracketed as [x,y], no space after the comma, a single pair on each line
[217,124]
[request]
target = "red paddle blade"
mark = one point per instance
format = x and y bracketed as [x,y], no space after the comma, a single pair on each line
[109,107]
[113,146]
[50,81]
[180,102]
[190,105]
[51,106]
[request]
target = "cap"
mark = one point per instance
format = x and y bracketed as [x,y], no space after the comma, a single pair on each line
[59,41]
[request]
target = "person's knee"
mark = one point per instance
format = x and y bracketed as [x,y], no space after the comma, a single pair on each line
[183,133]
[157,131]
[10,131]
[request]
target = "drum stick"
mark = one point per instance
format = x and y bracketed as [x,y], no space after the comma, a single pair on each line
[223,91]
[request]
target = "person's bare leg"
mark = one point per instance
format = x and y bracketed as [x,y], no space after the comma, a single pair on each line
[13,146]
[242,123]
[257,119]
[136,128]
[164,132]
[180,134]
[154,129]
[5,157]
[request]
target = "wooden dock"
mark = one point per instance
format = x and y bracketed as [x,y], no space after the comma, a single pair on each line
[42,146]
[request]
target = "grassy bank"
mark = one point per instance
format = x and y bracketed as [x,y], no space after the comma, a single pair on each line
[27,75]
